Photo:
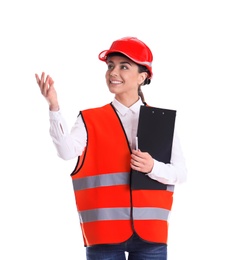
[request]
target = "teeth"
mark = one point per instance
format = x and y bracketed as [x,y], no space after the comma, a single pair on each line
[115,82]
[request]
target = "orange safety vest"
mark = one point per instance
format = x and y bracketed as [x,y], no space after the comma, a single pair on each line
[108,209]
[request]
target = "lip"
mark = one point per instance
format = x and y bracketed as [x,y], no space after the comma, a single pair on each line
[115,82]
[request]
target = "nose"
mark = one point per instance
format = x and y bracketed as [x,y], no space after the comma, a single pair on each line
[113,72]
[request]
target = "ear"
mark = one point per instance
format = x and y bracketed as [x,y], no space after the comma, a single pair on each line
[142,77]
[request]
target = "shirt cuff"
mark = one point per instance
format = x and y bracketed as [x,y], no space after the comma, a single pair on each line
[55,115]
[156,168]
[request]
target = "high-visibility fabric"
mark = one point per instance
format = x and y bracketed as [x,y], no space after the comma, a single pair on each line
[109,211]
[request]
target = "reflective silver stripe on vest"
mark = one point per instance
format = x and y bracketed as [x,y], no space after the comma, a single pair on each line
[101,180]
[123,214]
[170,188]
[104,214]
[150,213]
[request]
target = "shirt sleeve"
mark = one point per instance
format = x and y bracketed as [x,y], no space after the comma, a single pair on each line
[71,144]
[174,172]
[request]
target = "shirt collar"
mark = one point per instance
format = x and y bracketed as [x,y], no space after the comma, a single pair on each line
[135,108]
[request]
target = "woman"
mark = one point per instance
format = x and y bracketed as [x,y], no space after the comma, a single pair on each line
[114,218]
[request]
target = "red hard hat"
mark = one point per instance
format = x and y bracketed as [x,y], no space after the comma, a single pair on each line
[134,49]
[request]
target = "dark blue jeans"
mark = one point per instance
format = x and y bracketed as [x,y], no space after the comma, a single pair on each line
[137,250]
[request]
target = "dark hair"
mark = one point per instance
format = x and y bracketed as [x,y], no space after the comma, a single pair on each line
[141,68]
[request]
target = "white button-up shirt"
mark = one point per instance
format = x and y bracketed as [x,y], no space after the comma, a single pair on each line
[71,144]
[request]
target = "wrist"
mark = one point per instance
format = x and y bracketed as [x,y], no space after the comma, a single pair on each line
[54,107]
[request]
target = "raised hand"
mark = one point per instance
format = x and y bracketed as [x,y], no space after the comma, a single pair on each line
[48,91]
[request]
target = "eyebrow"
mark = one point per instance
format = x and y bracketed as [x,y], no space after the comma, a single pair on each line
[122,62]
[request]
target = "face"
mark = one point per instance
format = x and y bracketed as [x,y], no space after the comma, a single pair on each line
[122,77]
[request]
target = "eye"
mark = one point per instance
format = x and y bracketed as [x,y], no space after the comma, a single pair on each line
[124,67]
[109,66]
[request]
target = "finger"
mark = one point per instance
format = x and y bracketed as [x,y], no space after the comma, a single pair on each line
[37,78]
[51,82]
[138,153]
[42,79]
[45,87]
[135,163]
[137,167]
[137,158]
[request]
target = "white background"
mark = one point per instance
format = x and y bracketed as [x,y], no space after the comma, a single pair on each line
[195,72]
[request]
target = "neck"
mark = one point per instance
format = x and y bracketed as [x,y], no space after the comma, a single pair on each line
[128,102]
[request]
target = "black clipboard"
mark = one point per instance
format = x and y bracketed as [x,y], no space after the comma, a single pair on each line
[155,136]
